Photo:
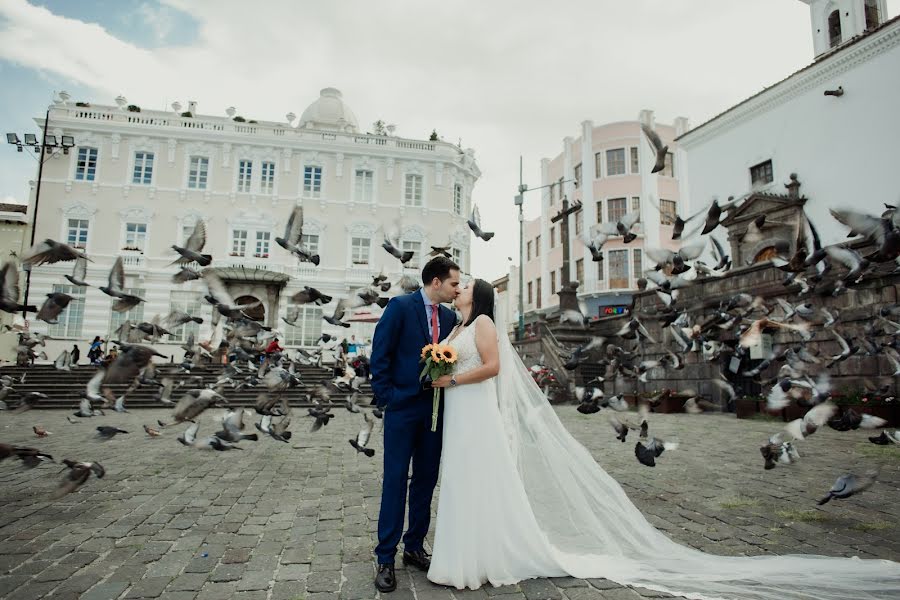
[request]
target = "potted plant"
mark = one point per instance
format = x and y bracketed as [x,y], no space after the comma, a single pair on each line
[234,254]
[239,119]
[134,108]
[187,114]
[748,406]
[132,249]
[83,104]
[876,405]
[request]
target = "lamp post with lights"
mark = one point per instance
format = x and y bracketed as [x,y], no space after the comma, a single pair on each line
[48,147]
[519,200]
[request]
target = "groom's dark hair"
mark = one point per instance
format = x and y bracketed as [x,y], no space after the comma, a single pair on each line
[482,300]
[440,267]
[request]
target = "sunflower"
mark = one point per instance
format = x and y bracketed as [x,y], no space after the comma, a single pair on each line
[435,353]
[449,354]
[426,350]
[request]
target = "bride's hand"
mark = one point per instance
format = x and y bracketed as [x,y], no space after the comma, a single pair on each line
[442,381]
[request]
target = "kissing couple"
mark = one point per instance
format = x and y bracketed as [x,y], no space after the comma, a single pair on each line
[520,497]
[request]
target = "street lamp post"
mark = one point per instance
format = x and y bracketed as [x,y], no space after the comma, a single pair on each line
[48,147]
[519,200]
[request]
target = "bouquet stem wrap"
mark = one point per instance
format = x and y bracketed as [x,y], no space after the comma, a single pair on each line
[438,361]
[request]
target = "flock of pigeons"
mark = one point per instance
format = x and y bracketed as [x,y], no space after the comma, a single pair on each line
[793,370]
[244,341]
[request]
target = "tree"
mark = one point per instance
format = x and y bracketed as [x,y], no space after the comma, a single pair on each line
[378,126]
[434,136]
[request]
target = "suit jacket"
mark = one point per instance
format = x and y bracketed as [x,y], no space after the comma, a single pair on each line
[400,335]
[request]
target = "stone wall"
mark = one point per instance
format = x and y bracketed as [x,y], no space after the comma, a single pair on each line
[858,306]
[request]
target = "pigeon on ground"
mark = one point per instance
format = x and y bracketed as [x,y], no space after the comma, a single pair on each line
[849,484]
[362,438]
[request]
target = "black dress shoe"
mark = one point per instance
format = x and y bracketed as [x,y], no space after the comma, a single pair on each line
[419,559]
[385,580]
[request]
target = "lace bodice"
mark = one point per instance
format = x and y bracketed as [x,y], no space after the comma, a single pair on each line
[467,354]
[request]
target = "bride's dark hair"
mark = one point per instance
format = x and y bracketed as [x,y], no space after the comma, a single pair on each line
[482,300]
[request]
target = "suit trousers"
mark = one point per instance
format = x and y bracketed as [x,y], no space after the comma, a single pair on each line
[408,438]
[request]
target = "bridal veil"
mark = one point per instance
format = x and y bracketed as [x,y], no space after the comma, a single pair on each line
[596,531]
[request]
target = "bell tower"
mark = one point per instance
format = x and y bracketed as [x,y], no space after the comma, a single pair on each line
[835,22]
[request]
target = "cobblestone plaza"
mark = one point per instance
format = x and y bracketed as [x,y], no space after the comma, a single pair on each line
[297,521]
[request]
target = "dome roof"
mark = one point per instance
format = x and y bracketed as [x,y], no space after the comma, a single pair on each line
[329,112]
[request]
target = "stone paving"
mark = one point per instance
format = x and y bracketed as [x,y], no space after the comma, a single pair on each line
[297,521]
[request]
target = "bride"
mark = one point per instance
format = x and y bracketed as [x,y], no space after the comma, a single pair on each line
[521,498]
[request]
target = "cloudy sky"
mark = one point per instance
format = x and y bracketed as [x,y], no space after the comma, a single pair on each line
[506,77]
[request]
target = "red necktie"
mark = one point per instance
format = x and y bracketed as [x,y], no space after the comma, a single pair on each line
[434,323]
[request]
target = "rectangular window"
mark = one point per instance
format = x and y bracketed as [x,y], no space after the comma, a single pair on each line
[635,160]
[245,172]
[312,182]
[579,271]
[578,217]
[618,269]
[537,298]
[189,302]
[267,178]
[637,266]
[135,315]
[239,242]
[668,210]
[577,175]
[872,16]
[616,208]
[359,250]
[600,271]
[456,255]
[599,211]
[143,168]
[530,292]
[365,186]
[71,318]
[598,164]
[135,236]
[310,242]
[669,166]
[307,327]
[77,234]
[761,174]
[528,250]
[562,279]
[553,187]
[636,206]
[262,244]
[186,232]
[416,248]
[86,166]
[198,173]
[413,193]
[553,236]
[615,161]
[457,199]
[537,246]
[552,282]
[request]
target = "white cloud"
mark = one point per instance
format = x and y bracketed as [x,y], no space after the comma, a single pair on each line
[507,77]
[158,18]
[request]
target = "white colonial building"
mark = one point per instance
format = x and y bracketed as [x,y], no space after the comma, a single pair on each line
[137,181]
[834,123]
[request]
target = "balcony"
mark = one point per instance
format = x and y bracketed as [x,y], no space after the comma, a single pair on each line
[133,259]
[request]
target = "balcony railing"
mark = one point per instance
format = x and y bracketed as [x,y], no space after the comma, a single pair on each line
[161,119]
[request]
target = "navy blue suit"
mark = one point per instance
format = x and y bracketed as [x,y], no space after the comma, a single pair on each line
[401,333]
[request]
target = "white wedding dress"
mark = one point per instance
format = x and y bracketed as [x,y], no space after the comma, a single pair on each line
[520,498]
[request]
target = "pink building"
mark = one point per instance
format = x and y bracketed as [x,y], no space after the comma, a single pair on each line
[610,165]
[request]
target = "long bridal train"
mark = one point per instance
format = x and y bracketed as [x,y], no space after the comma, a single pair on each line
[521,498]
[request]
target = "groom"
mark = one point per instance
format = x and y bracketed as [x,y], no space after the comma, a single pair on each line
[408,323]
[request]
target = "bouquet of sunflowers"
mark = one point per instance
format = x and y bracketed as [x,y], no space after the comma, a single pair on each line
[438,360]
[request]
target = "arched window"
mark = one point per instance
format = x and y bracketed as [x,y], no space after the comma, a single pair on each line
[834,28]
[872,17]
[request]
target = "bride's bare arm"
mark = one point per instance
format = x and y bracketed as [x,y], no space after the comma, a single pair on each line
[488,349]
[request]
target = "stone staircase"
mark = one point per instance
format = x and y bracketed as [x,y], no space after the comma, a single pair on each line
[64,387]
